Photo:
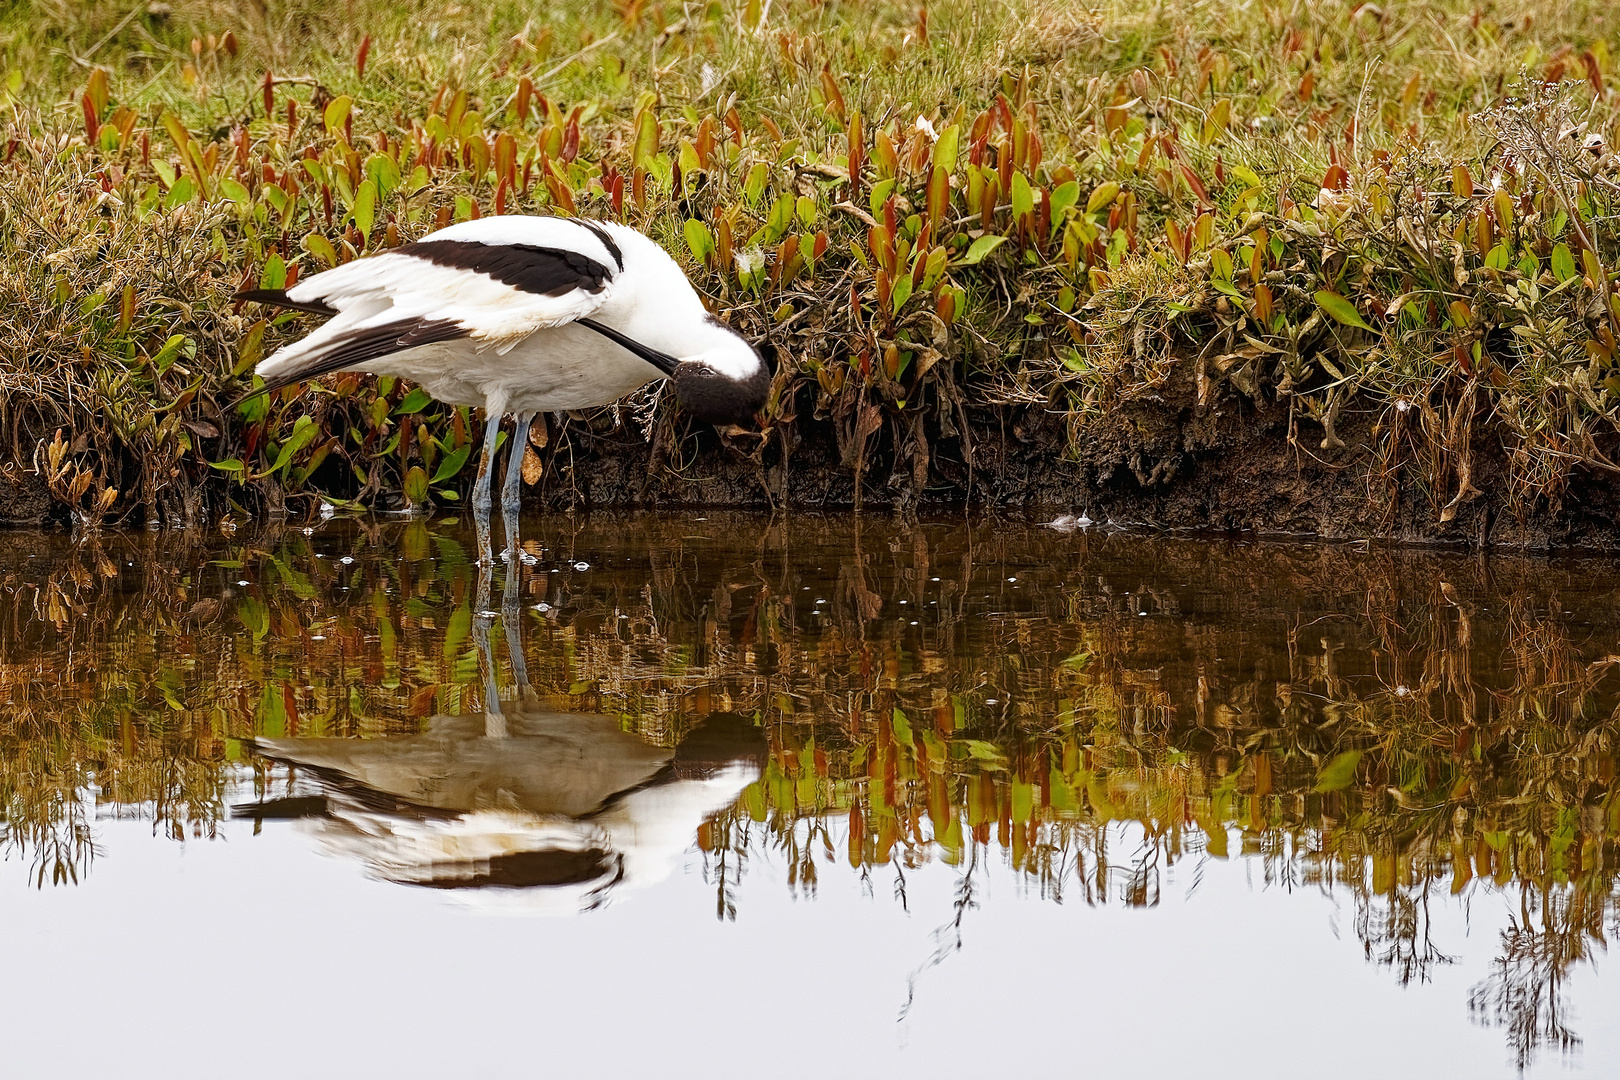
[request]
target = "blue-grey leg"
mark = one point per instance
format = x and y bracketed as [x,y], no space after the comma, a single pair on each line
[512,620]
[483,622]
[512,489]
[482,507]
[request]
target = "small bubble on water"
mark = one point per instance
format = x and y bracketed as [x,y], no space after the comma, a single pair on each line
[582,566]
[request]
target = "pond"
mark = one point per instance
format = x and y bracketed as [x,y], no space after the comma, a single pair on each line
[948,797]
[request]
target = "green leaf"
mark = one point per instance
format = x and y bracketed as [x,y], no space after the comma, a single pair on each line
[900,293]
[384,172]
[902,728]
[880,194]
[365,208]
[166,355]
[180,193]
[416,484]
[754,183]
[1563,263]
[303,432]
[986,752]
[274,274]
[320,247]
[646,141]
[1100,197]
[231,465]
[699,239]
[1064,196]
[415,401]
[945,149]
[337,111]
[1338,773]
[456,633]
[1023,196]
[981,247]
[1341,309]
[451,464]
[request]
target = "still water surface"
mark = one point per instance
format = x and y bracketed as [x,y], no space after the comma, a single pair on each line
[726,795]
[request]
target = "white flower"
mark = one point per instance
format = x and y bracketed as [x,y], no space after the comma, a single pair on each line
[924,126]
[750,261]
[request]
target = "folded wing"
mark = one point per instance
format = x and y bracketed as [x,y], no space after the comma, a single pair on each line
[449,286]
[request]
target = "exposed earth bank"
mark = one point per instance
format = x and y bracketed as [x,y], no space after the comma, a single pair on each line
[1163,463]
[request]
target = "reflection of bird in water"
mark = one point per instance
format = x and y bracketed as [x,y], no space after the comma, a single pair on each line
[563,801]
[566,804]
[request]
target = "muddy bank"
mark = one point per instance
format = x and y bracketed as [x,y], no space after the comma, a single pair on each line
[1231,465]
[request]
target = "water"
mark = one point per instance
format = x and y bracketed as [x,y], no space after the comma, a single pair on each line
[721,795]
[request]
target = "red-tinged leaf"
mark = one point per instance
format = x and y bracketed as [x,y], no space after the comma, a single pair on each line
[570,140]
[1177,240]
[835,96]
[525,91]
[1262,303]
[1196,185]
[99,90]
[1336,178]
[1594,72]
[939,194]
[857,152]
[360,58]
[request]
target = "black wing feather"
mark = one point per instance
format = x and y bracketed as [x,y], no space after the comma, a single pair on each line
[358,346]
[525,267]
[279,298]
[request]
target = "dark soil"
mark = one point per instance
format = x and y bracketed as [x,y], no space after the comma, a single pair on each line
[1163,462]
[24,500]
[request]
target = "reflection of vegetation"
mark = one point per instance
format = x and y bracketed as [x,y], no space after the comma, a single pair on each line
[1401,725]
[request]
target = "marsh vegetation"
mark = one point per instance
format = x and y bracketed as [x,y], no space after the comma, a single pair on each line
[1350,268]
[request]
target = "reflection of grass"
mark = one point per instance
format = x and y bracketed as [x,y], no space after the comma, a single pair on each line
[1396,724]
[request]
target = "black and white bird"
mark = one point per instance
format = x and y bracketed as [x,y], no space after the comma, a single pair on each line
[520,314]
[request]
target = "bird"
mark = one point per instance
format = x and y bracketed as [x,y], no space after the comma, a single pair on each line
[563,803]
[521,314]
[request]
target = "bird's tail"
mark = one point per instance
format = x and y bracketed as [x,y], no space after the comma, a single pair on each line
[353,337]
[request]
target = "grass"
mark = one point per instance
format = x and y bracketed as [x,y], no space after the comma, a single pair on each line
[1399,221]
